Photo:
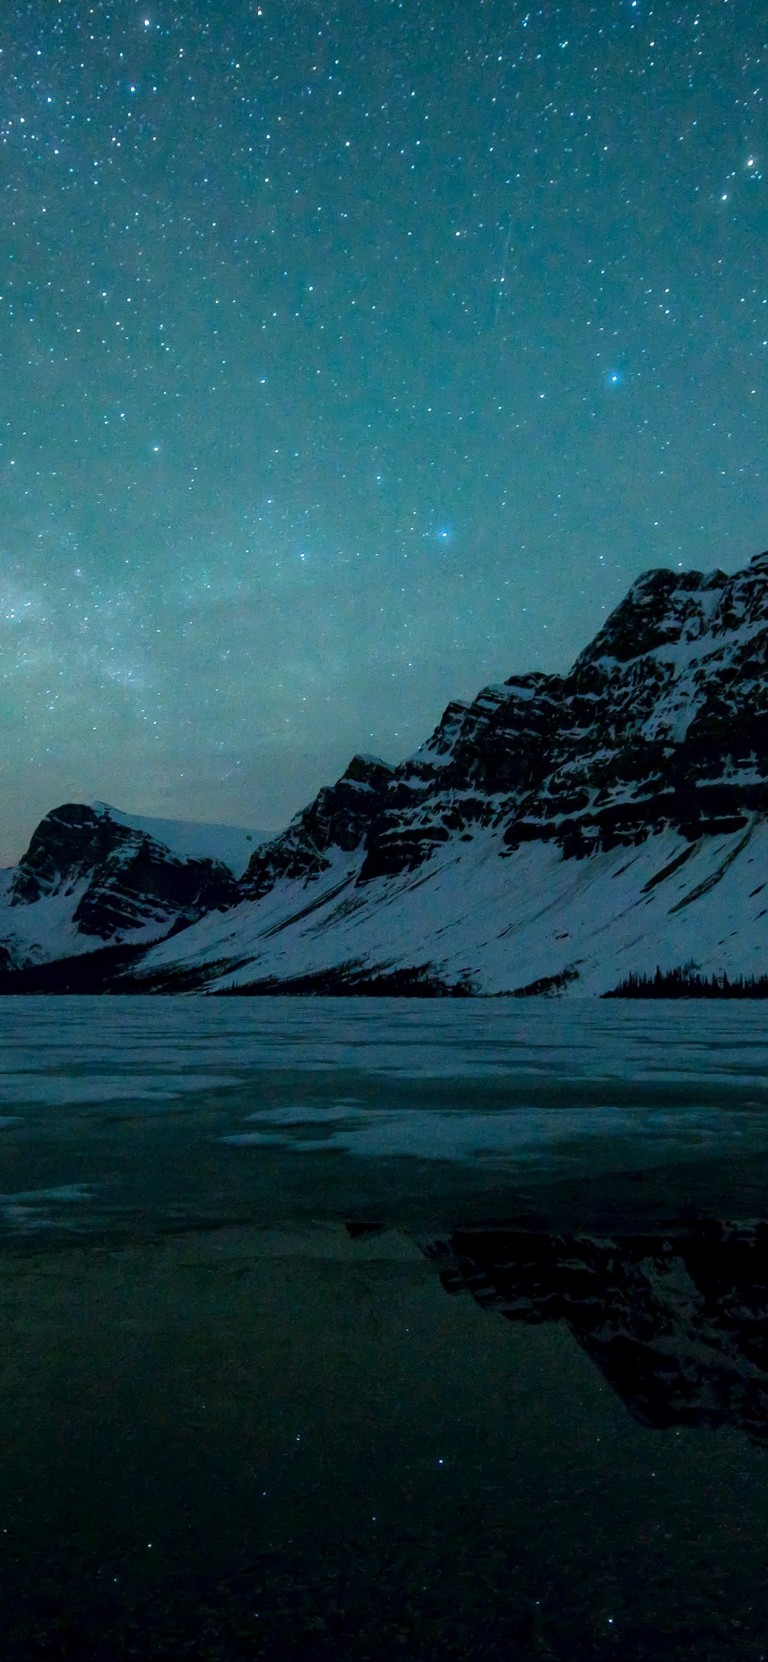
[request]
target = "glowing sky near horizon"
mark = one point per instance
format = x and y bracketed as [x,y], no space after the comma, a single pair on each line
[354,356]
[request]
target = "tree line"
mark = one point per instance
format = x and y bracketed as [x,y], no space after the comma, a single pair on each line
[687,982]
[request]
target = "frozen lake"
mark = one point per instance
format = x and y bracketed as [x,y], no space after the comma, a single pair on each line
[143,1113]
[375,1329]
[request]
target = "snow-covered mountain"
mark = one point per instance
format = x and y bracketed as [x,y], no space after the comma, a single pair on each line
[559,832]
[556,834]
[93,876]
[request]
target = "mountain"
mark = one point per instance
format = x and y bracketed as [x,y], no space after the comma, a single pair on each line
[556,834]
[675,1323]
[95,877]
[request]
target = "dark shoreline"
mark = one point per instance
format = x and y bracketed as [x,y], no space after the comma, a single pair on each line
[109,970]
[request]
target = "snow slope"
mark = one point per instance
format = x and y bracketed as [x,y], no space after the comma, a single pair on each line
[498,925]
[555,834]
[562,830]
[190,839]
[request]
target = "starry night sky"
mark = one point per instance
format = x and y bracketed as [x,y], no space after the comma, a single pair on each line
[354,356]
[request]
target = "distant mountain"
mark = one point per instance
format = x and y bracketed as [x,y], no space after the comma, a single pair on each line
[93,877]
[557,834]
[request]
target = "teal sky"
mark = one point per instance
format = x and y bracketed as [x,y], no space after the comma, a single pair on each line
[354,356]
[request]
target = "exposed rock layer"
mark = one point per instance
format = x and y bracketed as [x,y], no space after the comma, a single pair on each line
[663,721]
[118,879]
[570,830]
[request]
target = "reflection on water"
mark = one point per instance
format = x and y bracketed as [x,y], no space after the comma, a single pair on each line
[677,1324]
[263,1443]
[241,1417]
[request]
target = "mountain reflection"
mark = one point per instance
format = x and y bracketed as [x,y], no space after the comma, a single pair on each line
[676,1323]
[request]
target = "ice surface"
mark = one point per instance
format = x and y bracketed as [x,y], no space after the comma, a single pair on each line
[63,1050]
[144,1112]
[525,1132]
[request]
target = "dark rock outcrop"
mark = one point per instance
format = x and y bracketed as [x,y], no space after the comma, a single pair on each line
[657,735]
[338,818]
[662,721]
[128,880]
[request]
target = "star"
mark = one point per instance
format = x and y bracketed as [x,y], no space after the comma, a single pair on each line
[308,326]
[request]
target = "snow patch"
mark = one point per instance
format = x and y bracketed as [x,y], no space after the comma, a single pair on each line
[188,839]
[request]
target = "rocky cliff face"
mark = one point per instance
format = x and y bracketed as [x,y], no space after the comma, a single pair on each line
[339,819]
[677,1325]
[89,878]
[663,721]
[558,833]
[399,815]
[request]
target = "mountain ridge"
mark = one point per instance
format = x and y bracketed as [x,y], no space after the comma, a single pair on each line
[557,832]
[94,876]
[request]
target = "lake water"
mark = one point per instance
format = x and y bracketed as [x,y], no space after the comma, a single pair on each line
[368,1329]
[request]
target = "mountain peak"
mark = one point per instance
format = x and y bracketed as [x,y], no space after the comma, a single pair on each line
[554,833]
